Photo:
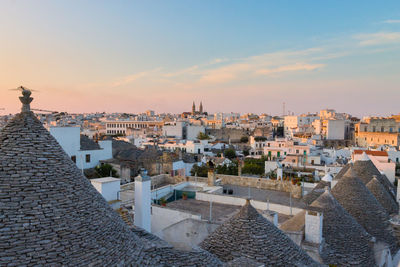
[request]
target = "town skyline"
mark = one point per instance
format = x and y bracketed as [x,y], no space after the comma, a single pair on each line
[130,58]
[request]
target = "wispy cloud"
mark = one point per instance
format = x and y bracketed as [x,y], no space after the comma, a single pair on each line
[133,77]
[280,62]
[289,68]
[392,21]
[379,38]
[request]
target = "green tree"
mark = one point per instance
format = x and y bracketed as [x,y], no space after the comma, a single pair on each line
[260,138]
[231,169]
[252,168]
[203,136]
[202,170]
[104,170]
[244,139]
[230,153]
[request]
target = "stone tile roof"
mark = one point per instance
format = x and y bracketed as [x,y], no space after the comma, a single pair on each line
[250,235]
[366,170]
[383,196]
[243,261]
[88,144]
[294,224]
[172,257]
[50,214]
[342,171]
[346,242]
[318,190]
[360,203]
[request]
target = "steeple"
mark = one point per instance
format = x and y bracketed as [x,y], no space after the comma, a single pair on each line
[201,108]
[193,108]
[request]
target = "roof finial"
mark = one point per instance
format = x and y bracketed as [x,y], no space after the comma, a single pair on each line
[25,99]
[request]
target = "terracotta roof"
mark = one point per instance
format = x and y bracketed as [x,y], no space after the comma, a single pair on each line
[371,152]
[248,234]
[360,203]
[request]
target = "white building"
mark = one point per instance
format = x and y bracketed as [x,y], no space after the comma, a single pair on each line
[85,154]
[120,127]
[183,130]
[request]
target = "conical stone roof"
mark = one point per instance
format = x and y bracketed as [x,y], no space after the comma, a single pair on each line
[366,170]
[50,214]
[250,235]
[383,196]
[318,190]
[360,203]
[342,171]
[346,243]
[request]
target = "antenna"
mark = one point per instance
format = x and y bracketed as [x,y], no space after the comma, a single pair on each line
[283,109]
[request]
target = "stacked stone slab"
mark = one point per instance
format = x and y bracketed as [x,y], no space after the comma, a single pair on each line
[250,235]
[346,242]
[383,196]
[50,214]
[342,171]
[318,190]
[360,203]
[366,170]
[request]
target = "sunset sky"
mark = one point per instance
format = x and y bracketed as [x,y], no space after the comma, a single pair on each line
[235,56]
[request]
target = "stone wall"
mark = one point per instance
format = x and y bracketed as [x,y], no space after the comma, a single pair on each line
[261,183]
[226,134]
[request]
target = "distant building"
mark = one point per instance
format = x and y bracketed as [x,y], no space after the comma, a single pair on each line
[373,132]
[121,127]
[183,130]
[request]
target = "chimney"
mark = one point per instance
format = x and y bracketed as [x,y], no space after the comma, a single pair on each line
[211,177]
[142,217]
[313,226]
[271,216]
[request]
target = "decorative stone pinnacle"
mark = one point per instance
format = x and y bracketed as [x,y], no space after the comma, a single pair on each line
[25,99]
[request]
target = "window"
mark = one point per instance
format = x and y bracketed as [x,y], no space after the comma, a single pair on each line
[374,129]
[87,158]
[297,151]
[73,158]
[391,129]
[365,129]
[382,129]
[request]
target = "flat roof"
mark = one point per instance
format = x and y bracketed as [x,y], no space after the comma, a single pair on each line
[105,180]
